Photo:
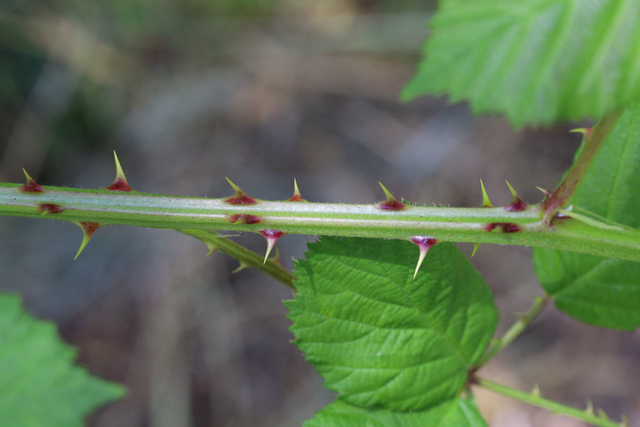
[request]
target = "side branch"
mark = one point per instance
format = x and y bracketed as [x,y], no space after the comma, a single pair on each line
[594,138]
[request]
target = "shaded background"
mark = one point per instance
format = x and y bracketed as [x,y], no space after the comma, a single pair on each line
[262,91]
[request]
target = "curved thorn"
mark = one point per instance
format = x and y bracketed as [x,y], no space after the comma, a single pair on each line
[241,267]
[391,203]
[30,186]
[486,203]
[516,204]
[240,197]
[88,228]
[212,248]
[475,249]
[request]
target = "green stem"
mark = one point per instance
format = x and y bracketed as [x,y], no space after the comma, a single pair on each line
[557,408]
[476,225]
[244,255]
[593,142]
[525,319]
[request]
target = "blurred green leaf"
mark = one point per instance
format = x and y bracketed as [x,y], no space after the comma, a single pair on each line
[39,385]
[536,61]
[380,338]
[596,290]
[452,413]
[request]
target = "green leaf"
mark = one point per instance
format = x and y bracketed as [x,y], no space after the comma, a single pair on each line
[377,336]
[602,291]
[39,385]
[452,413]
[536,61]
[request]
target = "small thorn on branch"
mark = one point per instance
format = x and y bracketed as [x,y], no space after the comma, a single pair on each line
[120,183]
[516,204]
[424,244]
[585,131]
[30,186]
[240,197]
[297,197]
[486,203]
[475,249]
[391,204]
[88,228]
[272,237]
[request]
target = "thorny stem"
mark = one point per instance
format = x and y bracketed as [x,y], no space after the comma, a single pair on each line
[475,225]
[535,399]
[594,139]
[245,256]
[524,320]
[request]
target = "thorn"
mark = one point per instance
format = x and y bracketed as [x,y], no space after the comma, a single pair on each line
[424,244]
[602,414]
[212,248]
[516,204]
[30,186]
[120,183]
[49,208]
[297,197]
[241,267]
[486,203]
[391,204]
[240,197]
[545,192]
[475,249]
[589,409]
[272,237]
[536,390]
[585,131]
[88,228]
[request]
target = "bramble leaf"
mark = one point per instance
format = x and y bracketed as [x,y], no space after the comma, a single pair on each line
[380,337]
[39,385]
[602,291]
[536,61]
[451,413]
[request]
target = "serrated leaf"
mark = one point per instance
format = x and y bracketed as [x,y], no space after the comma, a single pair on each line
[536,61]
[39,385]
[452,413]
[378,336]
[596,290]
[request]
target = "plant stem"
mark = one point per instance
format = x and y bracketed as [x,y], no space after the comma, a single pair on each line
[594,138]
[536,400]
[525,319]
[476,225]
[245,256]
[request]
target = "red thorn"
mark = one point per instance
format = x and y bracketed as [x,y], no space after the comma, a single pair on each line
[46,208]
[424,244]
[244,218]
[120,183]
[240,197]
[506,227]
[516,204]
[391,204]
[30,186]
[272,237]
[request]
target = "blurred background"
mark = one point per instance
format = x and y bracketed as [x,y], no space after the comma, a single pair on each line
[262,91]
